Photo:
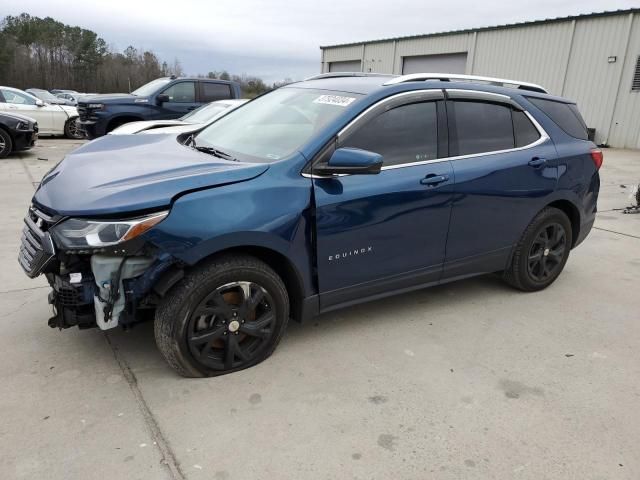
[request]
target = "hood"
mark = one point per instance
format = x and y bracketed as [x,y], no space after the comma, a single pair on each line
[17,116]
[120,174]
[136,127]
[110,98]
[176,129]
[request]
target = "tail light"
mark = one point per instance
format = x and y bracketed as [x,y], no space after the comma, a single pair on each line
[597,157]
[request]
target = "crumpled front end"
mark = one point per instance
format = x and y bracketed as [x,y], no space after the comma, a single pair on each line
[94,285]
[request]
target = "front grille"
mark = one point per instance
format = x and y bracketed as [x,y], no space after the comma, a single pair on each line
[85,113]
[35,127]
[36,248]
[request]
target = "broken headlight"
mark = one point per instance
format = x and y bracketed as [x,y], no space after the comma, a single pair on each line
[83,233]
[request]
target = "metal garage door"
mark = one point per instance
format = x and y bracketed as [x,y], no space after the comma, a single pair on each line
[446,63]
[348,66]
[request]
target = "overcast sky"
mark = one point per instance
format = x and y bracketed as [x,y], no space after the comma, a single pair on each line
[275,39]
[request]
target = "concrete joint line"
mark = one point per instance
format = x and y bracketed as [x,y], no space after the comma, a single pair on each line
[617,233]
[168,458]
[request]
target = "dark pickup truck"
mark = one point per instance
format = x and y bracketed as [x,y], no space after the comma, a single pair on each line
[163,98]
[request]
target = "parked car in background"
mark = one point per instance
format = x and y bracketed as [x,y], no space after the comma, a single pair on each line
[72,98]
[56,91]
[160,99]
[192,121]
[319,195]
[17,132]
[52,119]
[48,97]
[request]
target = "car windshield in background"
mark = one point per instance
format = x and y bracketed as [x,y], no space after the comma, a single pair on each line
[43,95]
[275,125]
[151,87]
[205,113]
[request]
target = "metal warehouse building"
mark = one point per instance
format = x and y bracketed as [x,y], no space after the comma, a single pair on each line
[593,59]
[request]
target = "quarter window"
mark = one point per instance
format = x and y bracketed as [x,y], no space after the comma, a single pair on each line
[477,127]
[565,115]
[524,131]
[215,91]
[405,134]
[183,92]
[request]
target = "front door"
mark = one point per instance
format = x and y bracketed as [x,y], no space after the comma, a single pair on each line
[182,99]
[385,232]
[505,168]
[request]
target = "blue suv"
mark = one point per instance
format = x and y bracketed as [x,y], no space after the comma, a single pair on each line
[160,99]
[321,194]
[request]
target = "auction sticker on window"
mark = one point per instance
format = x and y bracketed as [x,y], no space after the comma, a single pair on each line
[334,100]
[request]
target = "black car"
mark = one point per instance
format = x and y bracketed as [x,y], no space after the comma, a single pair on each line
[17,132]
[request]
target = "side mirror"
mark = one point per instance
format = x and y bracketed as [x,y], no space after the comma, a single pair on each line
[351,161]
[162,98]
[39,103]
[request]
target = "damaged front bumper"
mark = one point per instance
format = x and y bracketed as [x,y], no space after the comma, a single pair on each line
[103,287]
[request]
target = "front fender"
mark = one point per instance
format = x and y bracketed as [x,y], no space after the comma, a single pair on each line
[268,212]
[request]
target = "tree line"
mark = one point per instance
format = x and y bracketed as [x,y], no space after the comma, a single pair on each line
[45,53]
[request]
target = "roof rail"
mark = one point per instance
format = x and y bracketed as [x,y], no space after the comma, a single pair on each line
[447,77]
[346,74]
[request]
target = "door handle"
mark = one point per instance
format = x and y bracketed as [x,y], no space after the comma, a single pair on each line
[432,179]
[537,162]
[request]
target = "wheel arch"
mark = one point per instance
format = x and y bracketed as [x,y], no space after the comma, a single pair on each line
[573,213]
[121,119]
[279,262]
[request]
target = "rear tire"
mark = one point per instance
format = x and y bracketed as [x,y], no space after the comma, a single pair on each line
[542,252]
[224,316]
[73,130]
[6,144]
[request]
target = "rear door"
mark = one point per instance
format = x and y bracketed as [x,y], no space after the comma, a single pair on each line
[385,232]
[182,99]
[505,168]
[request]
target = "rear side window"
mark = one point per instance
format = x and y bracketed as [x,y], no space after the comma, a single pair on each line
[211,92]
[565,115]
[477,127]
[405,134]
[524,131]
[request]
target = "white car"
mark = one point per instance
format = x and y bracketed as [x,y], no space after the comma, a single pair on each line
[52,119]
[190,122]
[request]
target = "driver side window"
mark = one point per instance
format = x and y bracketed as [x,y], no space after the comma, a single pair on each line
[17,98]
[183,92]
[404,134]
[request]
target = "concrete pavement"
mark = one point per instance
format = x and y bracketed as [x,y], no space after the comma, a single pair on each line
[467,380]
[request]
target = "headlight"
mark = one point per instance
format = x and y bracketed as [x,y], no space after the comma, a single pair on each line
[81,233]
[95,106]
[22,126]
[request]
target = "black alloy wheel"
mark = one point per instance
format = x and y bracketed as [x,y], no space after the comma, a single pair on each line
[547,252]
[223,316]
[231,326]
[542,252]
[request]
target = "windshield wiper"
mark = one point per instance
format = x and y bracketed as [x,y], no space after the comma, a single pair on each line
[210,150]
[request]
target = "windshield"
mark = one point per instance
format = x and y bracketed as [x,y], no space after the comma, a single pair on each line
[275,125]
[205,113]
[151,87]
[44,95]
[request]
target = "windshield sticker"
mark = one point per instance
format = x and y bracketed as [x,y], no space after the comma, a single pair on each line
[334,100]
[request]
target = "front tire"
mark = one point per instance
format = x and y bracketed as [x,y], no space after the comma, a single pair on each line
[72,129]
[6,144]
[224,316]
[542,252]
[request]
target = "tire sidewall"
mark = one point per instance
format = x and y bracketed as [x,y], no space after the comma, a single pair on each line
[67,133]
[554,216]
[182,303]
[8,142]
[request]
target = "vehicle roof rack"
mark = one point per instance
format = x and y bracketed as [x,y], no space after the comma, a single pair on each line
[346,74]
[447,77]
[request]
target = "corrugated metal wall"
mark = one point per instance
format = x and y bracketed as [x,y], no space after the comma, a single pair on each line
[569,58]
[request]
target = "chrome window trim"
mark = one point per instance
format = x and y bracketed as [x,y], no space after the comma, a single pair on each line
[544,136]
